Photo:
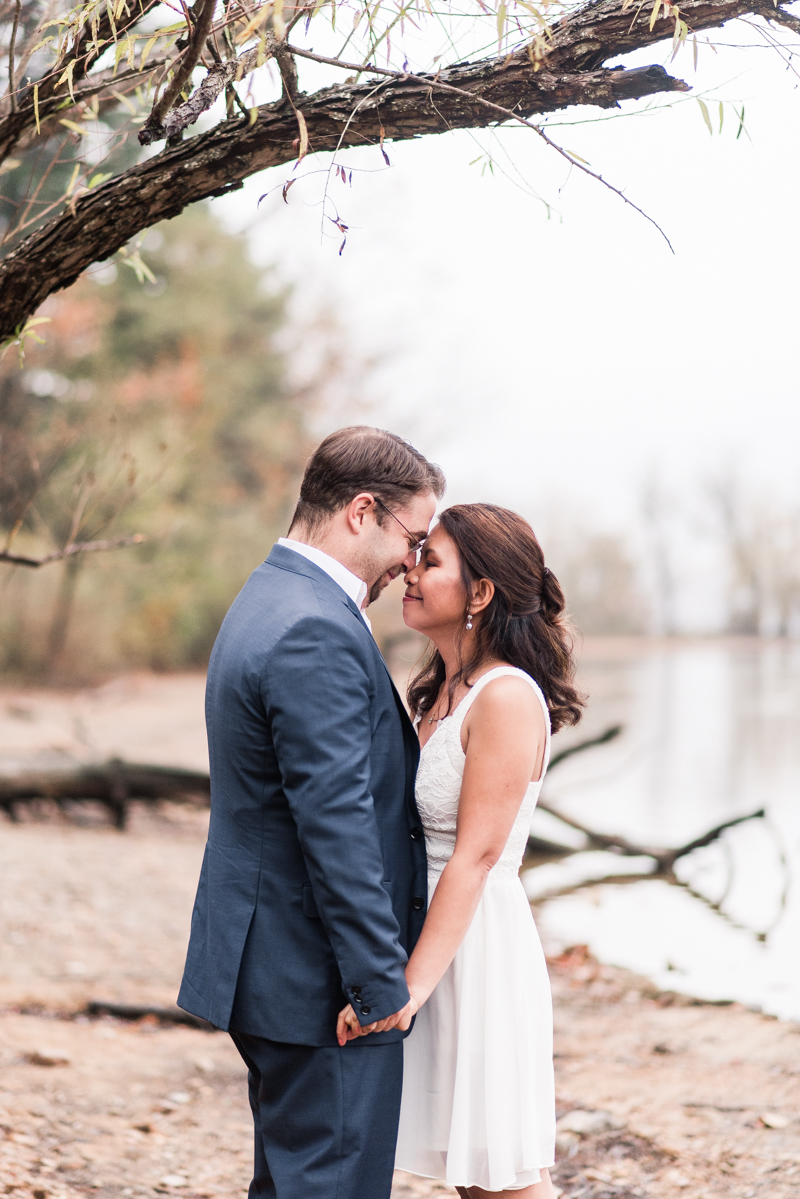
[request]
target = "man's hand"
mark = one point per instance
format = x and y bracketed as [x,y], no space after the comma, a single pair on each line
[348,1027]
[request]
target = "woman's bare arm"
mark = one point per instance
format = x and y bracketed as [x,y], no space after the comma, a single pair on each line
[504,738]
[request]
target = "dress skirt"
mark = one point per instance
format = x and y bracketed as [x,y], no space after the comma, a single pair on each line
[478,1104]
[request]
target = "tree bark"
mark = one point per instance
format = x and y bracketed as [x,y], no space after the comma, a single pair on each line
[98,223]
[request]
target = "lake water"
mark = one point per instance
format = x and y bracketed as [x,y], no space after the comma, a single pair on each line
[711,732]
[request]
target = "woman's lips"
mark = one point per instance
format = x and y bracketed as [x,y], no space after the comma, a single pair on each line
[409,599]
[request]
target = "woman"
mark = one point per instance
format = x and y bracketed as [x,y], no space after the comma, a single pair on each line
[478,1099]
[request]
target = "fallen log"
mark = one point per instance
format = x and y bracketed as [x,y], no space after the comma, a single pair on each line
[132,1011]
[114,784]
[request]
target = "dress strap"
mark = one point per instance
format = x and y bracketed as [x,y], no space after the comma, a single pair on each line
[496,673]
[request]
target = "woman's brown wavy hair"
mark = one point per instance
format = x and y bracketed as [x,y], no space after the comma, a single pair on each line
[524,624]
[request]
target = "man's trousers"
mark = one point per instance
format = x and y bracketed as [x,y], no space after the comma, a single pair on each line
[325,1118]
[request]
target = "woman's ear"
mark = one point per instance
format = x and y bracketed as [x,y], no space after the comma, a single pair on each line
[482,594]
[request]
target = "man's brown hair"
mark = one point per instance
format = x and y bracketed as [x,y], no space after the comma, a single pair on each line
[361,458]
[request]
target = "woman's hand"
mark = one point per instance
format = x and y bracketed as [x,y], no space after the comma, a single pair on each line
[348,1027]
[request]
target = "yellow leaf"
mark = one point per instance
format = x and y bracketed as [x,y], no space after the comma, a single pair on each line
[301,121]
[253,117]
[577,157]
[148,46]
[10,164]
[74,126]
[124,100]
[654,13]
[694,51]
[36,106]
[68,76]
[706,117]
[253,24]
[278,23]
[721,115]
[501,20]
[75,173]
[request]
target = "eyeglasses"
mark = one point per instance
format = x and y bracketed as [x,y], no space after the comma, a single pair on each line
[415,544]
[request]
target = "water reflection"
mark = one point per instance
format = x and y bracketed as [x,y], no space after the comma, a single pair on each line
[711,733]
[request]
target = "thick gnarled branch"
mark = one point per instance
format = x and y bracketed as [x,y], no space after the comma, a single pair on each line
[365,112]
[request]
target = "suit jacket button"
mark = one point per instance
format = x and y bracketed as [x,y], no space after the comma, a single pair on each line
[365,1011]
[415,834]
[418,903]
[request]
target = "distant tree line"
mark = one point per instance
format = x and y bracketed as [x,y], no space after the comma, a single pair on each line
[158,412]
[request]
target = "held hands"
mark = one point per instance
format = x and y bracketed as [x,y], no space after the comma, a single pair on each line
[348,1027]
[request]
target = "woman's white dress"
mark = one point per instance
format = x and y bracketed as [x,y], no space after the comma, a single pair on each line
[478,1095]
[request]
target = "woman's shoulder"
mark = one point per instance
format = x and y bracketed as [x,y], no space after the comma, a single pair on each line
[510,691]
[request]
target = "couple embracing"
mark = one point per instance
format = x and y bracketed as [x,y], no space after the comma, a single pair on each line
[360,927]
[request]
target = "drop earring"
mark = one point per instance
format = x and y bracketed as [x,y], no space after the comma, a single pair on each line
[469,621]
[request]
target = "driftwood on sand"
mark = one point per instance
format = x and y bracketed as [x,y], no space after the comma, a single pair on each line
[114,784]
[117,783]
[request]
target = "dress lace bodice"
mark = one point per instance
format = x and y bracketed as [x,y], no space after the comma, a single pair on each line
[439,778]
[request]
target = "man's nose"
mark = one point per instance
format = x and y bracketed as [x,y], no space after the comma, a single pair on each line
[409,562]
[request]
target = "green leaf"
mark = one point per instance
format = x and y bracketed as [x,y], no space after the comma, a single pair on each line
[706,117]
[140,268]
[74,126]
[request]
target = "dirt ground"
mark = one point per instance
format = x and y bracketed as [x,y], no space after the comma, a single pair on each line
[657,1096]
[672,1098]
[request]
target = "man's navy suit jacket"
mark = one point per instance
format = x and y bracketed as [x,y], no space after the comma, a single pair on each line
[313,887]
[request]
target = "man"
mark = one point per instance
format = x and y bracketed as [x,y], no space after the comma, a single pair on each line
[313,887]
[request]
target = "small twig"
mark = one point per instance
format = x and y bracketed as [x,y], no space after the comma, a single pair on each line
[609,734]
[11,49]
[506,113]
[80,547]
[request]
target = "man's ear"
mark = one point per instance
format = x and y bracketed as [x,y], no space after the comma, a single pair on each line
[357,511]
[482,595]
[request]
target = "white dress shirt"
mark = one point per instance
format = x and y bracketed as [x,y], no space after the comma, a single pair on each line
[350,584]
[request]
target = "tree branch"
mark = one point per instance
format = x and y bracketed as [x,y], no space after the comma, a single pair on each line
[79,547]
[204,96]
[609,734]
[665,858]
[398,108]
[202,12]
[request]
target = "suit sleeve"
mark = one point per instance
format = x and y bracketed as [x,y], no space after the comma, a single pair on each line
[316,690]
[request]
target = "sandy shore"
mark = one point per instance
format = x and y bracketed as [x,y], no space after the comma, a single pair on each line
[684,1099]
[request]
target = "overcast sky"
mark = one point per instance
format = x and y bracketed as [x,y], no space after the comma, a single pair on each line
[564,359]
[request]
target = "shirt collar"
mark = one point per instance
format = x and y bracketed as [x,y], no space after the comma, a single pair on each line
[352,586]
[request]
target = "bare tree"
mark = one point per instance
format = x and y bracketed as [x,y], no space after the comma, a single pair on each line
[761,538]
[658,509]
[109,70]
